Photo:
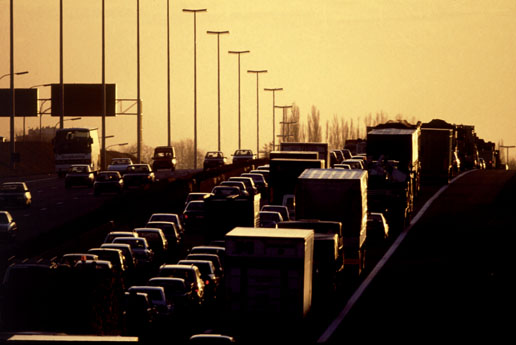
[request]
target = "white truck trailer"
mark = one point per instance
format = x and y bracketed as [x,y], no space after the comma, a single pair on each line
[268,273]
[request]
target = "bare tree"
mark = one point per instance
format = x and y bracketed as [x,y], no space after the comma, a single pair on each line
[314,129]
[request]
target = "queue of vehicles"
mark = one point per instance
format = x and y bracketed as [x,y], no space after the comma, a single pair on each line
[338,225]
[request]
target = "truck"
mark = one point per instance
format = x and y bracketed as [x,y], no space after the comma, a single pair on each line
[467,147]
[225,213]
[486,150]
[268,274]
[436,154]
[76,146]
[284,173]
[294,154]
[321,148]
[341,196]
[356,146]
[394,170]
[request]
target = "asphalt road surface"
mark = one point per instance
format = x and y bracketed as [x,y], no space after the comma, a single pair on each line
[451,278]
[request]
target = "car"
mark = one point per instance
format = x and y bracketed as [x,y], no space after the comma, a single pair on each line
[138,175]
[263,167]
[289,200]
[126,251]
[168,217]
[346,153]
[208,275]
[72,258]
[164,158]
[268,219]
[259,181]
[115,256]
[141,249]
[178,292]
[119,164]
[220,251]
[242,156]
[377,229]
[214,258]
[79,175]
[157,298]
[15,193]
[171,234]
[283,210]
[8,227]
[214,159]
[249,183]
[108,182]
[196,196]
[191,275]
[264,172]
[114,234]
[229,189]
[156,239]
[194,215]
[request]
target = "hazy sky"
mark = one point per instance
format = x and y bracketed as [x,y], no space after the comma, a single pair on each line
[449,59]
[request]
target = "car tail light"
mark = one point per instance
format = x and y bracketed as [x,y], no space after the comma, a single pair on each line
[186,216]
[207,282]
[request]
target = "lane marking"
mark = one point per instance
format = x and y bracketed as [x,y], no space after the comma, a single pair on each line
[365,283]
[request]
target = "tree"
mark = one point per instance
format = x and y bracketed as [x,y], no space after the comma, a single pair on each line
[314,129]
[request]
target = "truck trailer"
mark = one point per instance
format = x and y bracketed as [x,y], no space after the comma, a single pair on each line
[436,154]
[321,148]
[268,274]
[341,196]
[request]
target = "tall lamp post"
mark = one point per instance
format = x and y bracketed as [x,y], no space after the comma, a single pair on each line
[274,114]
[15,73]
[257,72]
[168,74]
[239,52]
[195,78]
[218,33]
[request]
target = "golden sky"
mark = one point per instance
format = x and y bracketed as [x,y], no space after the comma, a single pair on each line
[423,59]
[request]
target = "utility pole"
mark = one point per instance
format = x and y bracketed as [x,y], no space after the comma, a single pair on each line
[257,72]
[12,148]
[168,74]
[507,155]
[218,33]
[274,114]
[195,79]
[138,105]
[239,52]
[104,106]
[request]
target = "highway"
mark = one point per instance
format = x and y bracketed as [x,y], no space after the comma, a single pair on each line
[445,277]
[450,278]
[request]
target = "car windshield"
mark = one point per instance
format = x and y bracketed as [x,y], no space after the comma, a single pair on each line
[225,191]
[138,168]
[195,206]
[12,187]
[3,218]
[121,161]
[214,155]
[79,169]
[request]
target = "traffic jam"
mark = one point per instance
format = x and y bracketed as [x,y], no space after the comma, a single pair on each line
[266,247]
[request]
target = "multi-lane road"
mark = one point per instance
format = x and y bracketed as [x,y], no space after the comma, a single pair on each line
[447,276]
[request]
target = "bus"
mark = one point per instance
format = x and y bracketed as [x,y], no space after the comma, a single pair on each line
[76,146]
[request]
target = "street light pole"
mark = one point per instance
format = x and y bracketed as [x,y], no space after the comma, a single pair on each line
[104,106]
[195,79]
[239,52]
[11,143]
[139,109]
[61,77]
[257,72]
[274,114]
[218,33]
[15,73]
[168,74]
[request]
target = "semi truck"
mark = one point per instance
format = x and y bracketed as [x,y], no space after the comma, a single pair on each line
[337,195]
[394,170]
[283,173]
[436,154]
[268,274]
[321,148]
